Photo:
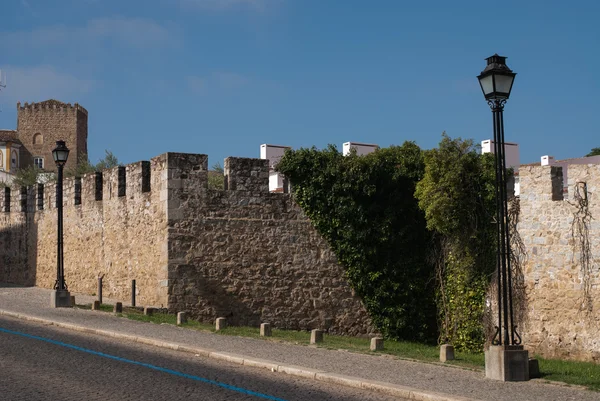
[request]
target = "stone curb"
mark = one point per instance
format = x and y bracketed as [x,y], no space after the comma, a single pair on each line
[299,371]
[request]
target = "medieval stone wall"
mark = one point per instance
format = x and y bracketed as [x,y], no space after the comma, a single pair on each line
[562,261]
[243,253]
[251,255]
[120,236]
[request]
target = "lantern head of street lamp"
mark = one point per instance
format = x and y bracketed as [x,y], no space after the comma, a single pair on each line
[497,79]
[60,153]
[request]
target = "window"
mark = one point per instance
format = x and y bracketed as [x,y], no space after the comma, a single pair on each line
[38,139]
[14,159]
[38,162]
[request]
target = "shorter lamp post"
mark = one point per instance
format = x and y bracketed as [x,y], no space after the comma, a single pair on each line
[506,359]
[60,296]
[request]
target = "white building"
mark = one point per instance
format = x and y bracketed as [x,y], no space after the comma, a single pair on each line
[361,148]
[273,153]
[511,153]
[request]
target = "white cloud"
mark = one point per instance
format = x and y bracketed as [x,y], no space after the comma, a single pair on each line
[133,32]
[32,84]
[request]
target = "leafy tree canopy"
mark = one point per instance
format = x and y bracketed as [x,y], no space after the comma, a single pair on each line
[457,194]
[594,152]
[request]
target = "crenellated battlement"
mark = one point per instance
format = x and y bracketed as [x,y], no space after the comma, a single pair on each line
[51,104]
[133,182]
[546,183]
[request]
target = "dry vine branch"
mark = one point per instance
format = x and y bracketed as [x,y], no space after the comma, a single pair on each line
[518,257]
[580,232]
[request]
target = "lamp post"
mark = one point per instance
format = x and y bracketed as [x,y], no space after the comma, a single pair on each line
[505,360]
[60,296]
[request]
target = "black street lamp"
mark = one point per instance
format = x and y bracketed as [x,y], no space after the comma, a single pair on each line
[507,360]
[496,83]
[61,296]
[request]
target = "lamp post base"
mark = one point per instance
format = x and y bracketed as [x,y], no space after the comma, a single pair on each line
[60,299]
[508,363]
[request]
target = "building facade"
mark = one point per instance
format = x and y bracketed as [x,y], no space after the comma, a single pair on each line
[39,126]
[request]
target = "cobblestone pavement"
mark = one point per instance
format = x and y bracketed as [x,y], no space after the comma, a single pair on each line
[33,369]
[419,376]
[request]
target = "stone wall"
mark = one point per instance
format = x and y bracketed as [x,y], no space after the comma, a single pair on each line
[243,253]
[251,255]
[563,290]
[119,237]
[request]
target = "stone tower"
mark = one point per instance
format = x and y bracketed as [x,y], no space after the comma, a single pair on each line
[40,125]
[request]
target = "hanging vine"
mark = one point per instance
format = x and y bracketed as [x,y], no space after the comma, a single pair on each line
[518,257]
[580,233]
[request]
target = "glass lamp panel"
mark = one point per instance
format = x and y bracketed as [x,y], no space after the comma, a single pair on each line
[60,155]
[487,84]
[504,83]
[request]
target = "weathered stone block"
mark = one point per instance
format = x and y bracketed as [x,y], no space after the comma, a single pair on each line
[534,368]
[265,330]
[316,336]
[96,305]
[376,344]
[118,308]
[60,299]
[148,311]
[507,363]
[446,352]
[220,323]
[181,318]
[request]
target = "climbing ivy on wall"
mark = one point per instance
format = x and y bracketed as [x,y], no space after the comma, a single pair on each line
[413,229]
[364,206]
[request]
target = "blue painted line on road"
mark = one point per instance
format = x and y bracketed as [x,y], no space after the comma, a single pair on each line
[146,365]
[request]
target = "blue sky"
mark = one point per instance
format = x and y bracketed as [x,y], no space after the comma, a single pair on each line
[221,77]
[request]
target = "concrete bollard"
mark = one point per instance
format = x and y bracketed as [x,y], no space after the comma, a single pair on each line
[148,311]
[265,330]
[72,300]
[96,305]
[118,308]
[316,336]
[446,352]
[181,318]
[534,368]
[376,344]
[220,323]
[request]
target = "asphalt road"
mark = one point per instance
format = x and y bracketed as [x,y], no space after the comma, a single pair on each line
[47,363]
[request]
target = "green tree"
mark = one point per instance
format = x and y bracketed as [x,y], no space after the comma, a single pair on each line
[25,177]
[109,161]
[84,166]
[594,152]
[457,194]
[364,206]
